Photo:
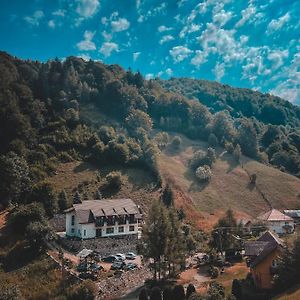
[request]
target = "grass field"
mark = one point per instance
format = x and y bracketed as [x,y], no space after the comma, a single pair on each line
[229,186]
[137,184]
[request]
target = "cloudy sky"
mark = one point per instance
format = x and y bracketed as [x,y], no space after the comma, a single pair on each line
[253,44]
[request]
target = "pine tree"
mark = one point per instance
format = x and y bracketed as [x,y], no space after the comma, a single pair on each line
[62,200]
[167,196]
[155,236]
[77,198]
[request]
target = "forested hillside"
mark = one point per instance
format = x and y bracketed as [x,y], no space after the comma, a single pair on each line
[44,121]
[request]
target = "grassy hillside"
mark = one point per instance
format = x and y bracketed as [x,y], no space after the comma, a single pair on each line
[229,187]
[137,184]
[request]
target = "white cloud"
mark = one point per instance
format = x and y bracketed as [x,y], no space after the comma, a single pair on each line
[108,47]
[120,25]
[199,58]
[59,13]
[169,72]
[189,29]
[107,36]
[289,86]
[52,24]
[275,25]
[35,19]
[246,15]
[166,38]
[87,44]
[87,8]
[277,57]
[136,55]
[219,71]
[222,17]
[85,57]
[179,53]
[163,28]
[149,76]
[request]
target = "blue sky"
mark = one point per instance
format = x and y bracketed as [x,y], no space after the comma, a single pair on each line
[254,44]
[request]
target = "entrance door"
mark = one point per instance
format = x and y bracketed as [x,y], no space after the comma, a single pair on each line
[98,232]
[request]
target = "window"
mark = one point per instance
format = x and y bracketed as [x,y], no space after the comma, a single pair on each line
[79,231]
[121,229]
[109,230]
[73,220]
[84,232]
[72,230]
[131,228]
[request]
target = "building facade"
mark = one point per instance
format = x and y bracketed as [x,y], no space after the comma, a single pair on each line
[262,257]
[103,218]
[277,221]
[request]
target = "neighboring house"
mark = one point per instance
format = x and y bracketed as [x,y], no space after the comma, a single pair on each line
[245,223]
[102,218]
[294,214]
[262,258]
[277,221]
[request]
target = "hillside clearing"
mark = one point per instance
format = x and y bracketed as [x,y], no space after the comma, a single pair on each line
[229,186]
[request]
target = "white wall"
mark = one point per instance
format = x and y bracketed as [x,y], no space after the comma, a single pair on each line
[90,229]
[278,226]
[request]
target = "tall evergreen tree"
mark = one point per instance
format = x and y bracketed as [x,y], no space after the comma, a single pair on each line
[62,200]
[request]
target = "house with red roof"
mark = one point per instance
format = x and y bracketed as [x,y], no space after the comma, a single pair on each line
[277,221]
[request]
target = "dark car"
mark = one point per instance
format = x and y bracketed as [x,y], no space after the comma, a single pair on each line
[130,266]
[110,258]
[82,267]
[118,265]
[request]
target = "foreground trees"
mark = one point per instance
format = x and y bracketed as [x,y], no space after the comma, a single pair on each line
[163,240]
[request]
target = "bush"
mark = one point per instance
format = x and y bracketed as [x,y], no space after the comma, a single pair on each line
[190,290]
[214,272]
[143,294]
[236,289]
[155,293]
[178,292]
[237,152]
[213,140]
[229,147]
[211,156]
[204,173]
[176,142]
[114,180]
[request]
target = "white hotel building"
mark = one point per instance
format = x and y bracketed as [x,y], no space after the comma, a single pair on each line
[102,218]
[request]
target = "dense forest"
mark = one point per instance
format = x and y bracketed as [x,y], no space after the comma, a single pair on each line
[41,121]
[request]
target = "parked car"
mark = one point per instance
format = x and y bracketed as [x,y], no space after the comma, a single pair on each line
[82,267]
[130,255]
[118,265]
[95,267]
[130,266]
[110,258]
[121,256]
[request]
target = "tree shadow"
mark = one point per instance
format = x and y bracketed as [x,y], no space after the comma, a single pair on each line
[250,186]
[172,151]
[83,167]
[195,186]
[232,163]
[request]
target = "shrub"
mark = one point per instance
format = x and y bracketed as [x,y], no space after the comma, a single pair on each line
[237,152]
[229,147]
[155,293]
[204,173]
[114,180]
[211,156]
[143,295]
[214,272]
[198,159]
[178,292]
[236,289]
[213,140]
[176,142]
[190,290]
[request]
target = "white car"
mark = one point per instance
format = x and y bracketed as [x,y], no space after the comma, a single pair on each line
[121,256]
[130,255]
